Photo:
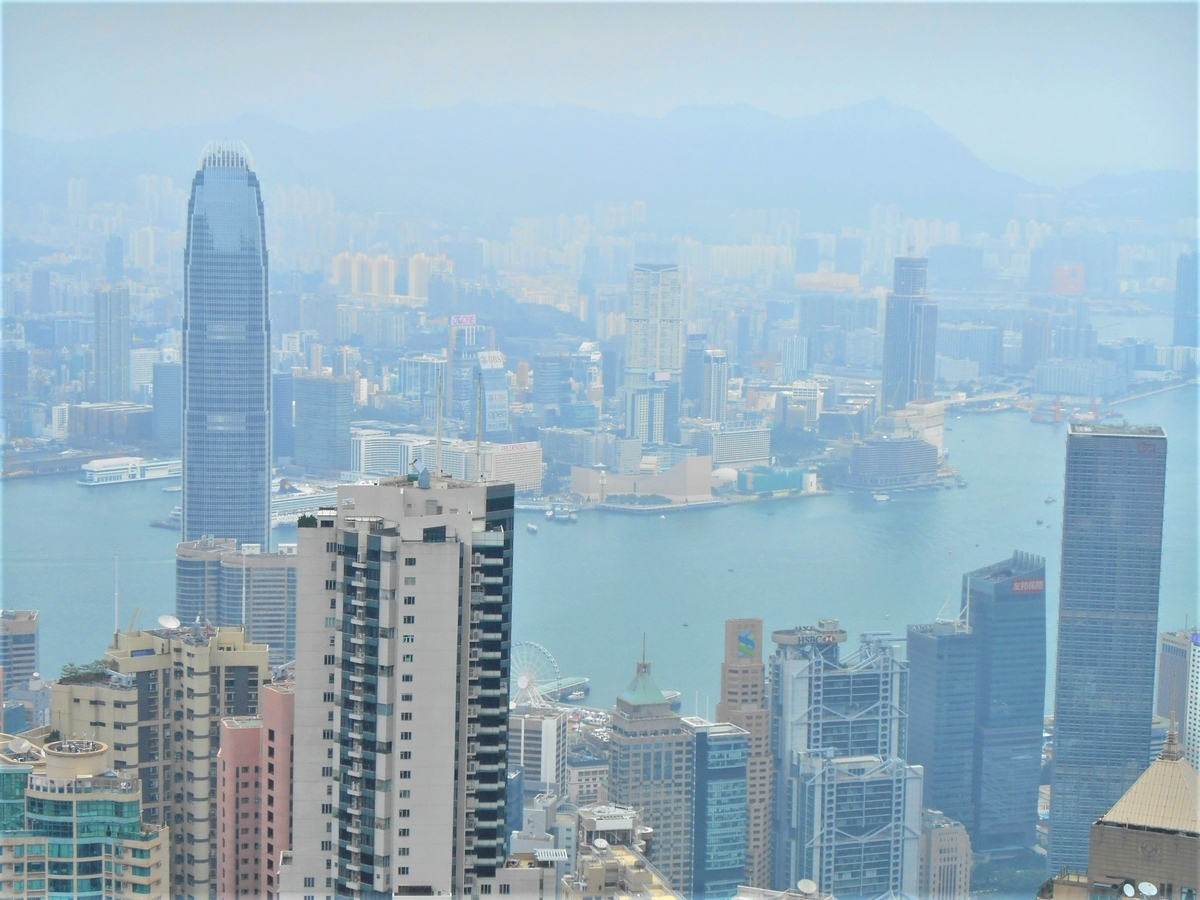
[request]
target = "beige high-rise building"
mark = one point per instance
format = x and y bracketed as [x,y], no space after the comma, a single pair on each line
[654,323]
[158,716]
[945,858]
[18,647]
[744,703]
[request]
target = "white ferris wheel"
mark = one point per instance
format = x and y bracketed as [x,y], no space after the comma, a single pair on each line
[533,670]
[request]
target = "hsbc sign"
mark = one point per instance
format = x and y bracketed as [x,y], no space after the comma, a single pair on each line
[1029,585]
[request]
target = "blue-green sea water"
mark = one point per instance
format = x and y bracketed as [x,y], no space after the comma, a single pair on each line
[590,591]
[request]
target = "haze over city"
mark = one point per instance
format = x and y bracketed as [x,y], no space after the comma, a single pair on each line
[599,451]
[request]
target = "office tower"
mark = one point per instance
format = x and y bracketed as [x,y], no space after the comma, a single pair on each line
[254,771]
[226,354]
[283,417]
[520,464]
[494,389]
[66,815]
[943,662]
[1192,747]
[695,356]
[403,622]
[1187,332]
[324,408]
[652,770]
[375,452]
[945,858]
[715,393]
[1107,623]
[744,703]
[847,807]
[166,693]
[219,583]
[537,742]
[1150,833]
[795,357]
[909,337]
[114,259]
[18,647]
[112,340]
[587,779]
[551,381]
[1005,606]
[718,808]
[654,325]
[168,406]
[645,414]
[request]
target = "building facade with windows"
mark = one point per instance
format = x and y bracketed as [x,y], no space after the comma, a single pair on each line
[226,354]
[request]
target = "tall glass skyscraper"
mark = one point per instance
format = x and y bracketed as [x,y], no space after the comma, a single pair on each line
[909,336]
[226,354]
[1107,622]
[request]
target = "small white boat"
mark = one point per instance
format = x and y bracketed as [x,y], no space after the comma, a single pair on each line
[882,497]
[549,514]
[531,528]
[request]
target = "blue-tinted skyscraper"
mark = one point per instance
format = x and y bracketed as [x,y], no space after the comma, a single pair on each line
[1005,607]
[1187,302]
[719,809]
[226,353]
[909,337]
[1107,622]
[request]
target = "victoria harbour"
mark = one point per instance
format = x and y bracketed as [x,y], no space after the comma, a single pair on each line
[590,591]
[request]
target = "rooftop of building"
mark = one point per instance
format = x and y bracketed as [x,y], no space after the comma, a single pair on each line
[1019,563]
[18,615]
[1118,430]
[1164,798]
[242,722]
[643,691]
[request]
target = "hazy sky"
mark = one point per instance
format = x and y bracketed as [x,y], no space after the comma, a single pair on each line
[1055,93]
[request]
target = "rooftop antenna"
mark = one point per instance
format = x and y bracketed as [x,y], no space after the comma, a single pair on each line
[479,429]
[437,446]
[116,593]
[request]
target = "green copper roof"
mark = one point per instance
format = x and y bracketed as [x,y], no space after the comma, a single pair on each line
[642,691]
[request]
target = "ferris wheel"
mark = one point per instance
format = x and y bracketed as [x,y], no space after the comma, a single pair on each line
[532,671]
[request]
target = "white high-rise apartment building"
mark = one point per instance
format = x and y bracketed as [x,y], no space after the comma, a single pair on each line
[375,452]
[654,323]
[403,617]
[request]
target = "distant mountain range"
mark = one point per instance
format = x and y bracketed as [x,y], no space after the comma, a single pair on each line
[483,166]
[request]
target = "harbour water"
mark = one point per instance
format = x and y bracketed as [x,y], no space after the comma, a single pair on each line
[590,591]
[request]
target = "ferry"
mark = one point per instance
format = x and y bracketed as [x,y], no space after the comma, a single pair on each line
[882,498]
[531,528]
[123,469]
[172,522]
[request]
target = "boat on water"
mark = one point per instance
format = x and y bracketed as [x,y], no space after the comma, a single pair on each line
[173,522]
[577,695]
[123,469]
[882,497]
[549,515]
[563,515]
[531,528]
[173,489]
[1051,500]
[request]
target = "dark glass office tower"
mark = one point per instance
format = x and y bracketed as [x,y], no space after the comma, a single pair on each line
[226,353]
[909,336]
[1108,615]
[1005,608]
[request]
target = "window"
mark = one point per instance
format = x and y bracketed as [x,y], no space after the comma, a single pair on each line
[410,561]
[405,717]
[403,870]
[406,677]
[410,639]
[329,697]
[408,657]
[406,754]
[403,814]
[410,620]
[406,735]
[410,580]
[327,846]
[310,882]
[485,889]
[330,660]
[410,601]
[327,771]
[505,888]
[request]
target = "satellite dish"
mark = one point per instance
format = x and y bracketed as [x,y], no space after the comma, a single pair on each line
[1127,889]
[169,622]
[20,745]
[1147,889]
[807,886]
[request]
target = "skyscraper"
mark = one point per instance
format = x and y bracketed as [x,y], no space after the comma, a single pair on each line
[744,703]
[112,344]
[283,422]
[1187,303]
[324,407]
[168,406]
[401,691]
[1107,622]
[1176,652]
[114,259]
[18,647]
[1005,606]
[226,353]
[652,768]
[847,806]
[715,393]
[654,322]
[909,337]
[718,808]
